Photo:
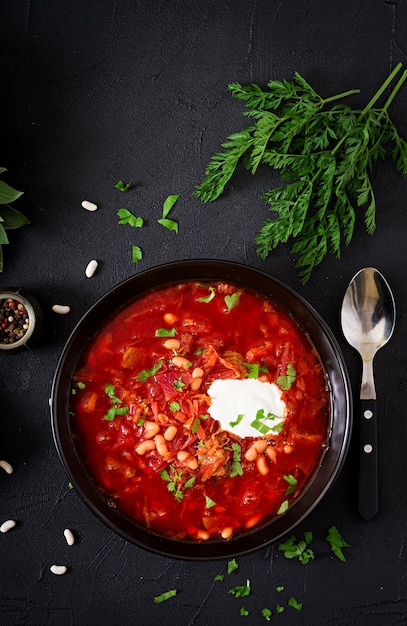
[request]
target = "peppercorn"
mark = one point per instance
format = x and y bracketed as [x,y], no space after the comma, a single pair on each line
[14,321]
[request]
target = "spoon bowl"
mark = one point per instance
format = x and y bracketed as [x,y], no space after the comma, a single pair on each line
[368,317]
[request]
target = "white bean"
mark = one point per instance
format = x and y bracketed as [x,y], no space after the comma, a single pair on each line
[6,466]
[62,309]
[69,536]
[91,268]
[89,206]
[6,526]
[58,569]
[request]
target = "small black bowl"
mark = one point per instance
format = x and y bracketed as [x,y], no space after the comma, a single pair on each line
[322,339]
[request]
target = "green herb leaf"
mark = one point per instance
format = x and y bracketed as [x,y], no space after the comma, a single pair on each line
[165,596]
[11,218]
[209,297]
[165,332]
[233,565]
[292,483]
[267,613]
[232,300]
[190,483]
[244,612]
[279,609]
[175,406]
[337,543]
[237,420]
[241,590]
[128,218]
[253,370]
[283,507]
[236,467]
[152,371]
[169,202]
[121,186]
[178,384]
[294,604]
[115,409]
[219,577]
[263,428]
[286,382]
[299,550]
[137,254]
[209,503]
[111,393]
[8,194]
[168,224]
[280,588]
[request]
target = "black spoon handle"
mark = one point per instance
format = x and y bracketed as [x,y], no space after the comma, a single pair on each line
[368,499]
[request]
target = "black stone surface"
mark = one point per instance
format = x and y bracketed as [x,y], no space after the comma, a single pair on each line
[96,91]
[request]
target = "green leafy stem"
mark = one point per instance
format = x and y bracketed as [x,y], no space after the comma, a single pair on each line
[10,218]
[325,152]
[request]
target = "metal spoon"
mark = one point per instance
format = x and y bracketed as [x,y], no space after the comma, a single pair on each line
[368,316]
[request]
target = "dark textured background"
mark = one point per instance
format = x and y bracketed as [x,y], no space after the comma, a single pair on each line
[93,91]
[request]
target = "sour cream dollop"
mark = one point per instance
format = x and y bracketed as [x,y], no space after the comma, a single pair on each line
[236,405]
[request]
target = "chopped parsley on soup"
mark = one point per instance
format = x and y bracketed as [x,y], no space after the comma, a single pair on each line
[201,410]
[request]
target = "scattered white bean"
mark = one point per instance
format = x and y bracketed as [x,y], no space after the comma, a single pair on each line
[6,526]
[62,309]
[91,268]
[69,536]
[58,569]
[89,206]
[6,466]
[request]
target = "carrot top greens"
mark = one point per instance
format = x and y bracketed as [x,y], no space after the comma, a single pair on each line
[325,152]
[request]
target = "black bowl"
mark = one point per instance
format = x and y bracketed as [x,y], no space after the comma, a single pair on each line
[322,339]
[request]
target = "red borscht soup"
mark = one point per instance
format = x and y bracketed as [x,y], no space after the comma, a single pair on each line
[201,410]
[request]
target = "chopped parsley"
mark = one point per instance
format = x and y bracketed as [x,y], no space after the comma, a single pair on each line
[263,428]
[175,479]
[197,421]
[175,406]
[165,596]
[126,217]
[253,370]
[292,483]
[233,300]
[121,186]
[209,297]
[165,332]
[267,613]
[337,543]
[136,254]
[283,507]
[240,591]
[209,503]
[295,605]
[286,382]
[300,550]
[237,421]
[236,467]
[152,371]
[167,206]
[233,565]
[178,384]
[243,612]
[115,409]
